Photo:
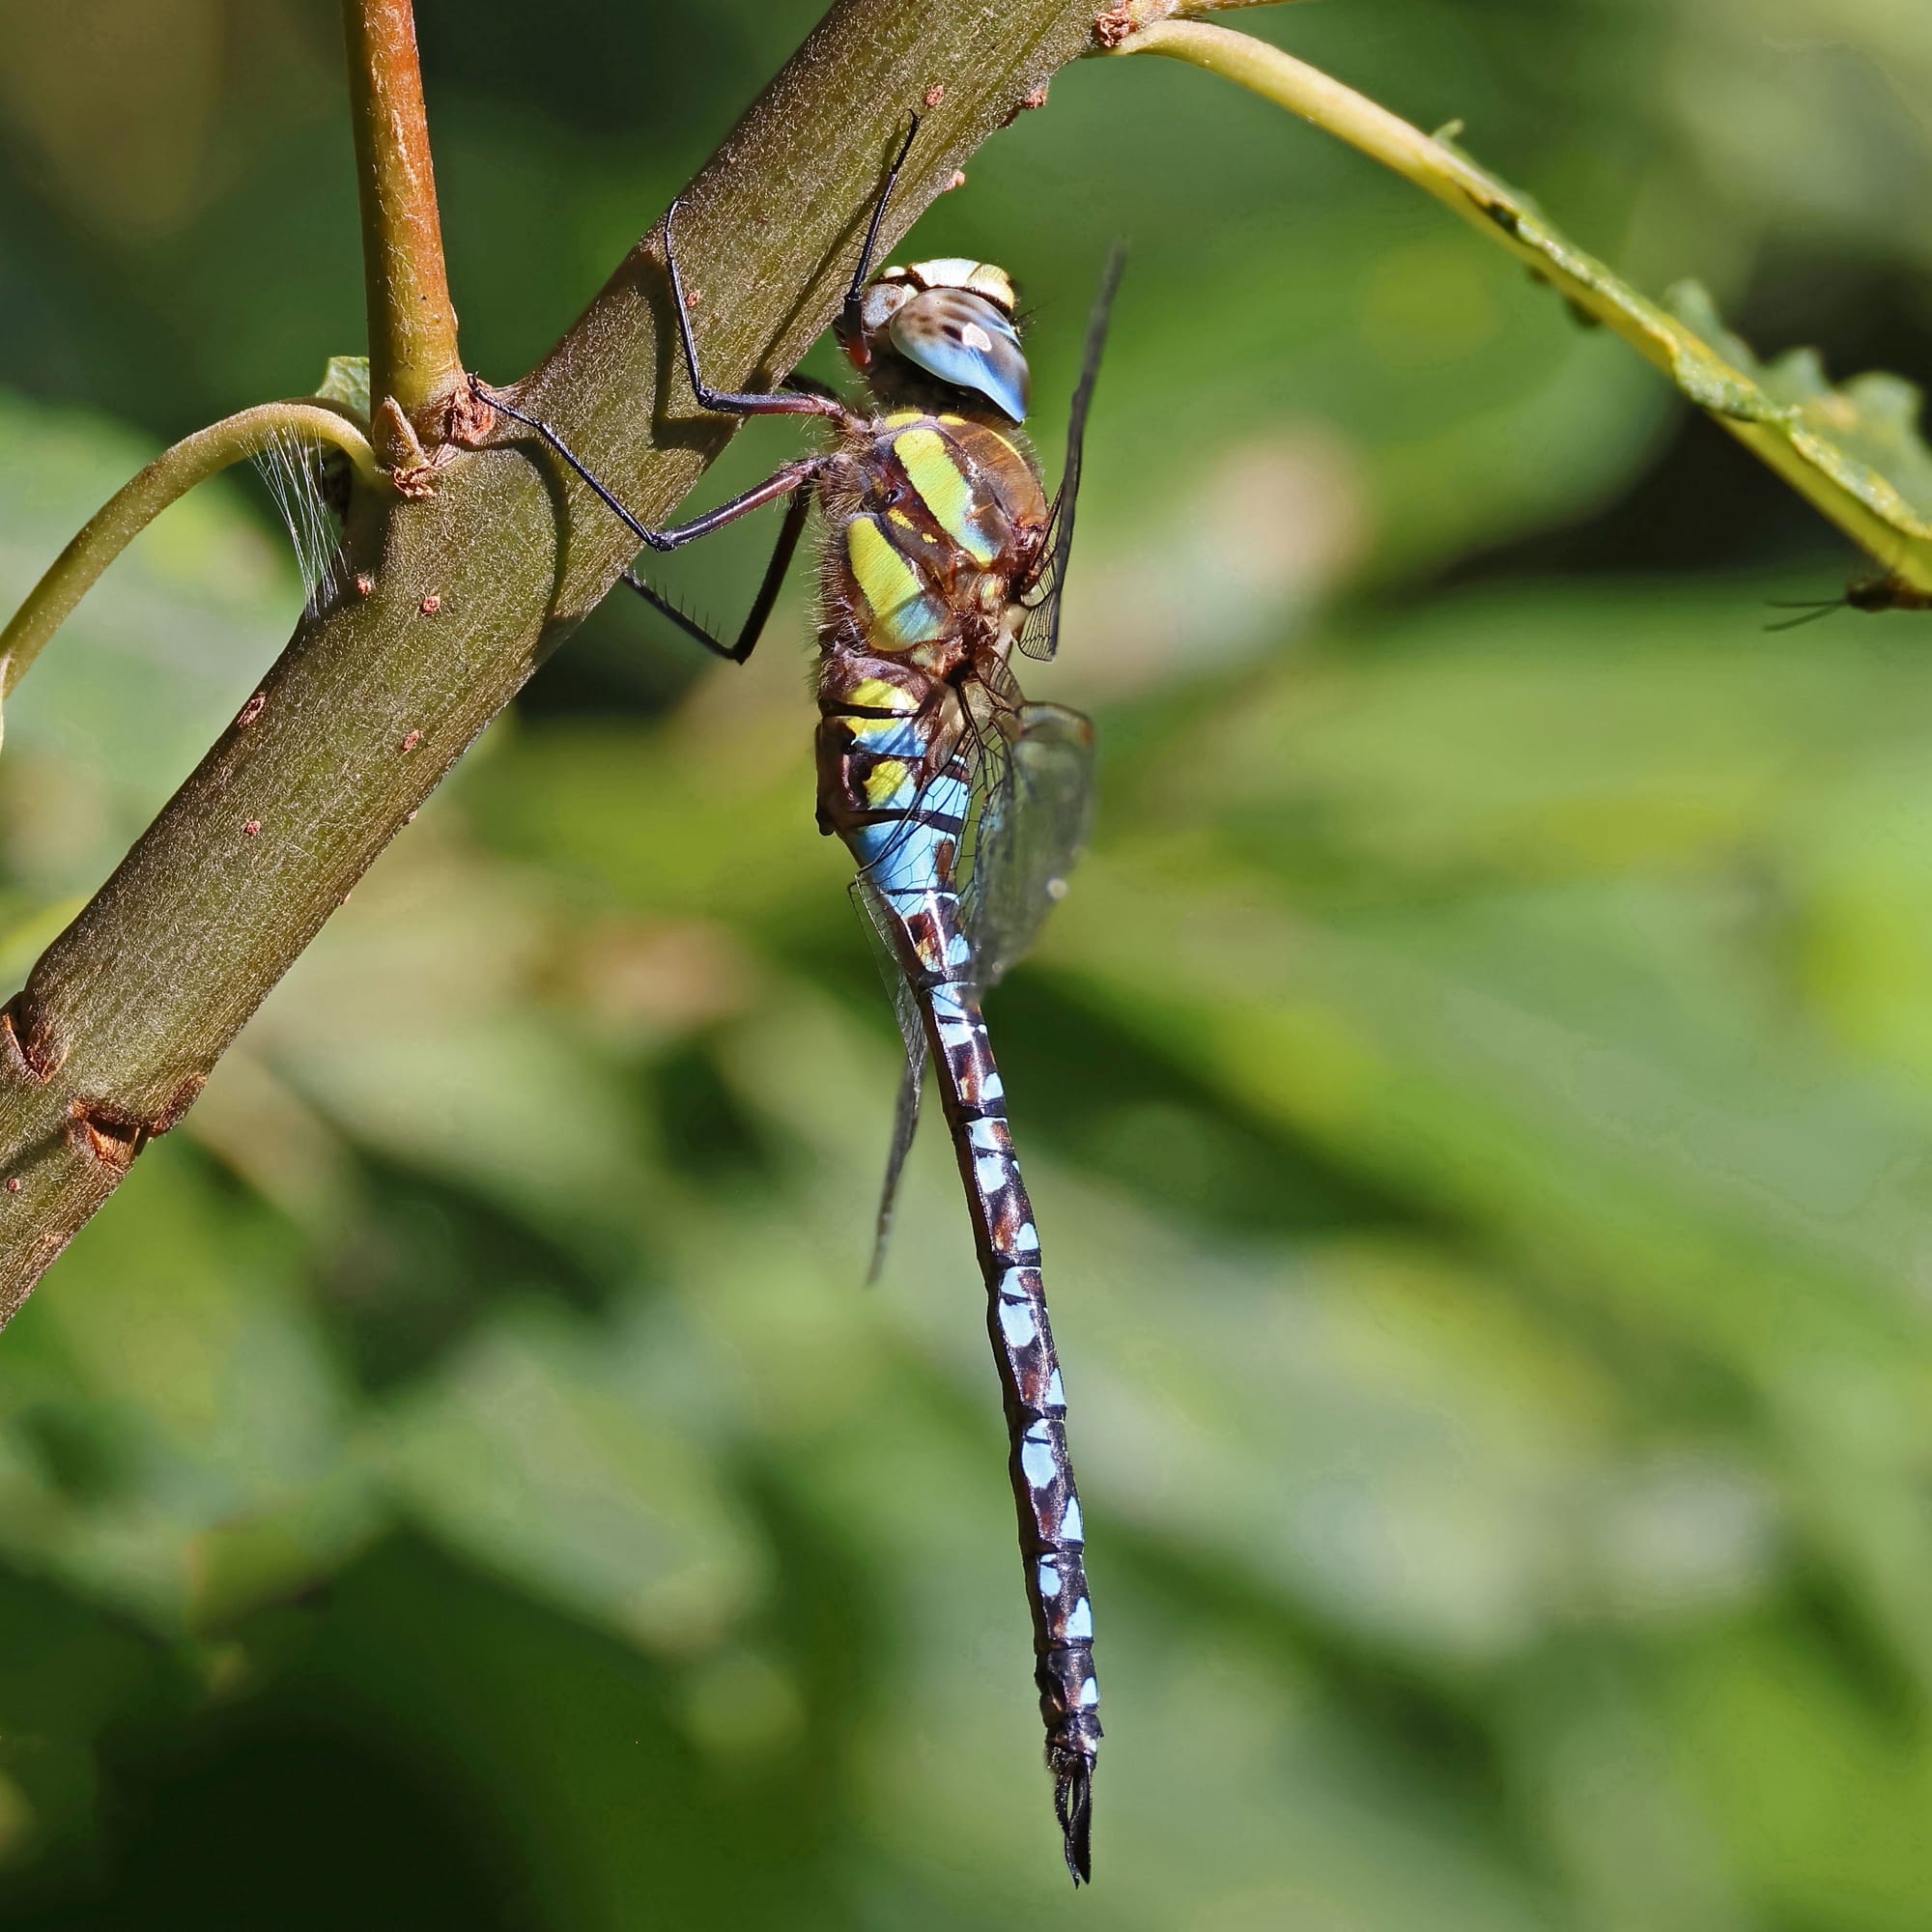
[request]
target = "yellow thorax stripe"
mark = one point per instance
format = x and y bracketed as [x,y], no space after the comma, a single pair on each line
[892,588]
[934,471]
[874,694]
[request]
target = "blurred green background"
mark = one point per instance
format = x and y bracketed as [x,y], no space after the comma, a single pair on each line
[1478,1093]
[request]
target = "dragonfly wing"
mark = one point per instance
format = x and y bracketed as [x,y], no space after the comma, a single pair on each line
[1039,632]
[1033,824]
[880,926]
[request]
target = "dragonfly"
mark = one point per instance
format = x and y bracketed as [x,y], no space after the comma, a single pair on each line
[963,804]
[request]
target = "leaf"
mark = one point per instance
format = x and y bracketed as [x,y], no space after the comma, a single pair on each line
[1855,453]
[174,1443]
[345,381]
[538,1455]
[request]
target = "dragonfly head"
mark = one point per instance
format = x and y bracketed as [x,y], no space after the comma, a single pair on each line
[948,322]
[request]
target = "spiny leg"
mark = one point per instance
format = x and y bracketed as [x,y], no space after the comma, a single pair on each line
[674,536]
[760,611]
[801,401]
[793,479]
[809,398]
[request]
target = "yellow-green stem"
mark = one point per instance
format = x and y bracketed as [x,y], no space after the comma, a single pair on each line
[138,502]
[1502,217]
[413,349]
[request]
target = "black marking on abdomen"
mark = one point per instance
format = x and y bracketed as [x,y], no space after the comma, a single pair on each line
[1052,1532]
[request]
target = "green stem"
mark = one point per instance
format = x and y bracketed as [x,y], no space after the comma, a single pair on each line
[1320,99]
[413,349]
[138,502]
[1863,506]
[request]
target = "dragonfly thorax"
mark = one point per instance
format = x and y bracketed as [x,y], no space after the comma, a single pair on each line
[942,326]
[932,522]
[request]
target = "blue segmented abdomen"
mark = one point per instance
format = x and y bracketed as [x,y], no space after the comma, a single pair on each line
[908,855]
[1052,1533]
[911,850]
[904,829]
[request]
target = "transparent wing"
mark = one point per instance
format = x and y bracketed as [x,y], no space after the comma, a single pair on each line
[1030,772]
[1035,806]
[880,927]
[1039,632]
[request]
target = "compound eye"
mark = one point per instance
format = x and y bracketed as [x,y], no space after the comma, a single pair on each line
[965,341]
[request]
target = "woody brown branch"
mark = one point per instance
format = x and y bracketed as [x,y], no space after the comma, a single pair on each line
[378,695]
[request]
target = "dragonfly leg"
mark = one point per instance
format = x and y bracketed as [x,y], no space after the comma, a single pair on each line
[806,398]
[755,618]
[782,482]
[792,479]
[801,401]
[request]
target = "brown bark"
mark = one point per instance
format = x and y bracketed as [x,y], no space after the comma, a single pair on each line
[472,585]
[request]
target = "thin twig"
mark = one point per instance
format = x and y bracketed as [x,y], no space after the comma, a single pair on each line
[1859,501]
[412,350]
[140,501]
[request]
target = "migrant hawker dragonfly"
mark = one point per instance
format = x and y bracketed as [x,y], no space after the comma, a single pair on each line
[963,804]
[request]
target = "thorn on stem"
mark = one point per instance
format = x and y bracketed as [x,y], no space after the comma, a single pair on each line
[33,1046]
[430,605]
[249,827]
[468,417]
[251,711]
[104,1133]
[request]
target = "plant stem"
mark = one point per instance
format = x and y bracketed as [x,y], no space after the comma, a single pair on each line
[412,352]
[1861,503]
[469,588]
[140,501]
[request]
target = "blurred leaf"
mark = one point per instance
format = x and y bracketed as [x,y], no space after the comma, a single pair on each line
[345,381]
[175,1440]
[529,1455]
[1476,1094]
